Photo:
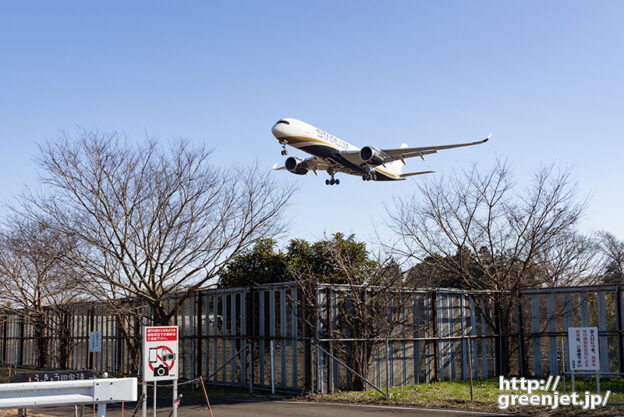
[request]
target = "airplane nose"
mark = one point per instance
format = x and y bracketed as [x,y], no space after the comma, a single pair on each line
[278,130]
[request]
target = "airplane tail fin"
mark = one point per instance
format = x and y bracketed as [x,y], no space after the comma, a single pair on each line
[396,167]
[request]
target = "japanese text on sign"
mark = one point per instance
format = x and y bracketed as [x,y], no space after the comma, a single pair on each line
[160,353]
[583,348]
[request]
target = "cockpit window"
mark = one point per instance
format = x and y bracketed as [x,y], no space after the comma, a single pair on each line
[283,121]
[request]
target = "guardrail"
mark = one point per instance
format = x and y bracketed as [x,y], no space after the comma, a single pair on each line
[63,393]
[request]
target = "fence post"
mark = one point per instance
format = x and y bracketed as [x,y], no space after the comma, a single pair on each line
[498,341]
[91,328]
[272,367]
[330,368]
[4,337]
[119,345]
[563,365]
[199,296]
[387,369]
[317,332]
[155,396]
[21,341]
[618,320]
[470,367]
[521,350]
[174,406]
[328,330]
[308,331]
[250,363]
[143,399]
[434,333]
[250,333]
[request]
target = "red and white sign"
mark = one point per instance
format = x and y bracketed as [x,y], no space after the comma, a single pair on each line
[583,348]
[160,353]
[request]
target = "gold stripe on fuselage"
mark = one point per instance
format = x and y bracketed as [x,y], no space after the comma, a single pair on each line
[298,140]
[292,140]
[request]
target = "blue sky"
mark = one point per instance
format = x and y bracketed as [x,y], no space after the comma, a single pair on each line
[547,78]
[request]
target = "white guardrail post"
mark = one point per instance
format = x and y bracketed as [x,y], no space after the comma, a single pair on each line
[66,393]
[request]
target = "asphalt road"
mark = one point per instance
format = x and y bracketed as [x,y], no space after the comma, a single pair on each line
[308,409]
[282,409]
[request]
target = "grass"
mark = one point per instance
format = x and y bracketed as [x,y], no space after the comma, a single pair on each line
[456,394]
[4,373]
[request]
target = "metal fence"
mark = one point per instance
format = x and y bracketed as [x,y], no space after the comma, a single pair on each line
[544,316]
[431,343]
[260,337]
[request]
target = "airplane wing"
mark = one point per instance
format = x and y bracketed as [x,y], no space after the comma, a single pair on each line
[409,174]
[395,154]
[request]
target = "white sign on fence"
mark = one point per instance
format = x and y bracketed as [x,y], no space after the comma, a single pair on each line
[583,348]
[160,353]
[95,342]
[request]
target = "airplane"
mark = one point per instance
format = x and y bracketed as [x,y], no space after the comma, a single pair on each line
[335,155]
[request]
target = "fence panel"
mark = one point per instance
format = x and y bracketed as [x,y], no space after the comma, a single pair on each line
[227,334]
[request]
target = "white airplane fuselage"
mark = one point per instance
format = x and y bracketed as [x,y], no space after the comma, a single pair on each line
[326,146]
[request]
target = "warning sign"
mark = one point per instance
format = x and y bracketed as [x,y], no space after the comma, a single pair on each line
[160,353]
[583,348]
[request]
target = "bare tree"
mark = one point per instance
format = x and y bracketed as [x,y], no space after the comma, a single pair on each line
[368,307]
[475,225]
[570,259]
[34,282]
[152,224]
[612,250]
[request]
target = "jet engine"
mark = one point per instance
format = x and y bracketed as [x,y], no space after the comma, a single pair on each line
[371,156]
[295,165]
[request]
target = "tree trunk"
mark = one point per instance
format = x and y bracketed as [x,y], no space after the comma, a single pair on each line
[359,360]
[65,339]
[502,328]
[160,316]
[39,330]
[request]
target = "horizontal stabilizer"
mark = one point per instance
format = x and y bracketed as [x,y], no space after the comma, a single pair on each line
[409,174]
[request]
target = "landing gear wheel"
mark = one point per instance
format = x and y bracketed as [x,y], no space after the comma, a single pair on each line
[331,173]
[337,182]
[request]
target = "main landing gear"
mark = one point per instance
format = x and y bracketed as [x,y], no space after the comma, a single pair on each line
[332,181]
[368,177]
[284,150]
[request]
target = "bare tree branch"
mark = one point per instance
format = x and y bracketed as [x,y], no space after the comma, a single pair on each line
[152,223]
[475,226]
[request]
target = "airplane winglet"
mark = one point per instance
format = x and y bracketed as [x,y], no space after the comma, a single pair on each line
[276,167]
[488,138]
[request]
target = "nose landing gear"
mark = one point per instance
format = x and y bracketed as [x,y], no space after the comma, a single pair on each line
[284,142]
